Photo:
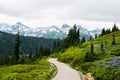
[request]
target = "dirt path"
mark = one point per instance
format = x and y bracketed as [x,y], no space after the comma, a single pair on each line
[64,71]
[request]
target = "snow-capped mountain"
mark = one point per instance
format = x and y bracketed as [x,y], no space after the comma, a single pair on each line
[96,31]
[14,28]
[46,32]
[83,32]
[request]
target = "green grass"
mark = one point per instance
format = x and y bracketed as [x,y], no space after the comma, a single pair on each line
[42,70]
[100,67]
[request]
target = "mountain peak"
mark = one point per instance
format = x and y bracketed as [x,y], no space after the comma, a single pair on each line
[96,31]
[65,26]
[47,32]
[20,25]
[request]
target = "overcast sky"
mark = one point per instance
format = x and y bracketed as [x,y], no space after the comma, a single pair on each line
[90,14]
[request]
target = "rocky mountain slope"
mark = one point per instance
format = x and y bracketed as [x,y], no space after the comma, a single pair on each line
[53,32]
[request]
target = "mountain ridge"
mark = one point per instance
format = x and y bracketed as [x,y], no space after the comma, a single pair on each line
[53,32]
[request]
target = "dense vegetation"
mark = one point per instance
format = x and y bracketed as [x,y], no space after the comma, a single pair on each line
[39,70]
[73,38]
[21,57]
[19,49]
[27,43]
[100,56]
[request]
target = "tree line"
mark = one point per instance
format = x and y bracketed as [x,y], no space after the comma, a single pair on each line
[22,49]
[90,55]
[73,39]
[108,31]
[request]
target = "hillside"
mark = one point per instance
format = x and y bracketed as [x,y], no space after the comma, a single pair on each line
[30,66]
[27,43]
[103,62]
[39,70]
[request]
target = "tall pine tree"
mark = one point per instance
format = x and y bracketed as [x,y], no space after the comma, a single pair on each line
[83,40]
[16,49]
[113,39]
[92,48]
[102,47]
[73,36]
[96,35]
[90,38]
[103,32]
[115,28]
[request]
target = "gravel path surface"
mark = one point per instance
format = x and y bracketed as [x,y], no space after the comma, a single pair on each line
[64,71]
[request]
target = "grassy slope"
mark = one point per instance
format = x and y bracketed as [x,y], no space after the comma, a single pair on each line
[100,67]
[41,70]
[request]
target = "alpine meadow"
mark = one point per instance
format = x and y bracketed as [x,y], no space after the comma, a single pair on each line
[59,40]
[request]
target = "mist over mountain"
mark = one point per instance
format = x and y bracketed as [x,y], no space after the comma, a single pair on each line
[53,32]
[96,31]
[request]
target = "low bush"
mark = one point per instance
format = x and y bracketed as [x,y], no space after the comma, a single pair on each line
[39,71]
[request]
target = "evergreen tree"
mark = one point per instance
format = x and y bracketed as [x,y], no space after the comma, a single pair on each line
[92,48]
[73,36]
[72,39]
[90,38]
[83,40]
[102,47]
[107,31]
[86,56]
[7,59]
[78,36]
[57,46]
[96,36]
[106,43]
[37,52]
[47,51]
[30,54]
[41,51]
[22,59]
[89,57]
[54,45]
[115,28]
[58,42]
[16,48]
[103,32]
[30,57]
[113,39]
[25,56]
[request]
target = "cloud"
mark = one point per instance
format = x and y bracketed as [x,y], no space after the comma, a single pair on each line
[106,10]
[61,11]
[100,10]
[31,8]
